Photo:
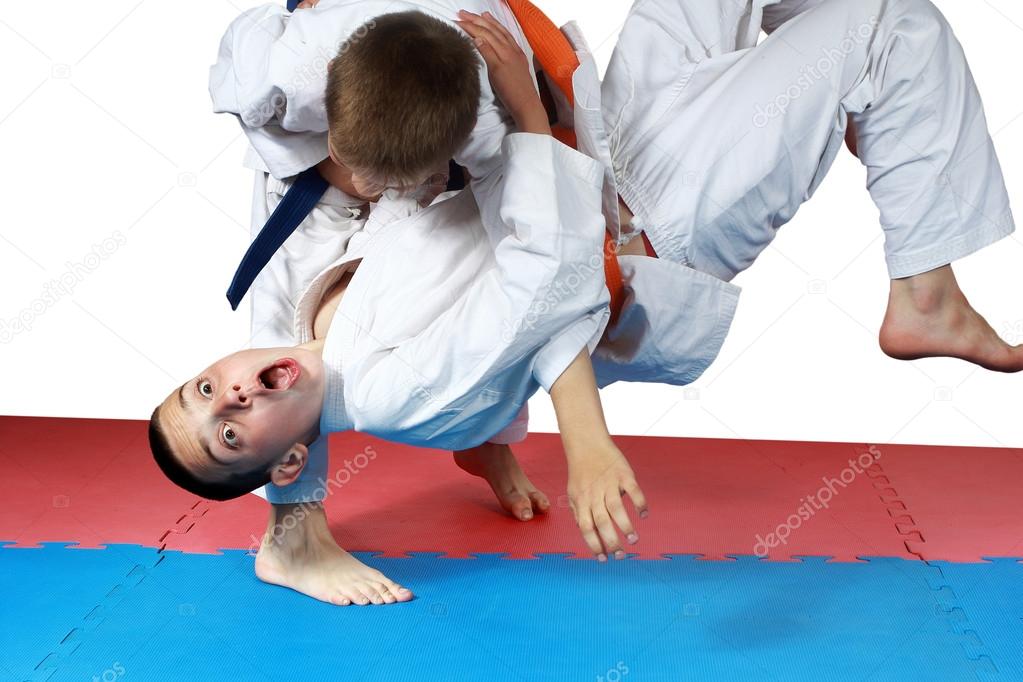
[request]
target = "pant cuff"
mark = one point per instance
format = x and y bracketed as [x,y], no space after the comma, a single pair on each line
[907,265]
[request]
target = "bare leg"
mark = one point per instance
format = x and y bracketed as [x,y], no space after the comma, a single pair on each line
[302,554]
[928,316]
[497,466]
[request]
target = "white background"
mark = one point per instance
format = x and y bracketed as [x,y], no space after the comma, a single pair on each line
[106,134]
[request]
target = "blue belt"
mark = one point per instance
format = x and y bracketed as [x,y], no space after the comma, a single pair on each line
[297,203]
[300,199]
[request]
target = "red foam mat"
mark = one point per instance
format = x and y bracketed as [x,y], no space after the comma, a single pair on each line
[94,482]
[964,503]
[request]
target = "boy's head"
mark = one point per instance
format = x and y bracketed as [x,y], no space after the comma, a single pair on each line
[244,421]
[402,98]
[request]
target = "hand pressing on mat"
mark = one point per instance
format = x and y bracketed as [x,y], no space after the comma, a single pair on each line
[509,70]
[598,479]
[599,476]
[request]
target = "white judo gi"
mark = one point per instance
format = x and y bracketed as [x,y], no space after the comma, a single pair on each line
[271,73]
[717,141]
[685,89]
[450,323]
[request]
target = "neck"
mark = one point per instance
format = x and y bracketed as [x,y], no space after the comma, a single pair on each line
[328,306]
[314,346]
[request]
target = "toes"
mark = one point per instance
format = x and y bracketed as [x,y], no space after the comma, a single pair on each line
[390,596]
[371,592]
[352,595]
[358,595]
[400,593]
[540,502]
[387,588]
[518,505]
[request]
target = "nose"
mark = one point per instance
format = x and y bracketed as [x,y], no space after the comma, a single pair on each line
[234,398]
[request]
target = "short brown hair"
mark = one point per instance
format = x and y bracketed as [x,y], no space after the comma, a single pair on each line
[402,96]
[236,485]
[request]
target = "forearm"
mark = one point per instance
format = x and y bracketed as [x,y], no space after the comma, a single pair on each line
[532,119]
[509,71]
[578,409]
[599,476]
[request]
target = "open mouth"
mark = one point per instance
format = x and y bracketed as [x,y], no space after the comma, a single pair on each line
[281,375]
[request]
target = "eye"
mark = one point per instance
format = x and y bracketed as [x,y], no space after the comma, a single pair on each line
[205,388]
[230,437]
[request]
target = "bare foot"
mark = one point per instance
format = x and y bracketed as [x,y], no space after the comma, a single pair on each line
[497,465]
[928,316]
[302,554]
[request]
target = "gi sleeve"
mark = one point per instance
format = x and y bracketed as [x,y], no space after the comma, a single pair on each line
[548,278]
[268,75]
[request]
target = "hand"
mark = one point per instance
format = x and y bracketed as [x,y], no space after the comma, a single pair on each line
[307,4]
[509,70]
[598,480]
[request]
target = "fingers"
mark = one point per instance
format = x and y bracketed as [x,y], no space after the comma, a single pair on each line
[584,519]
[493,40]
[603,519]
[621,518]
[599,532]
[632,489]
[608,532]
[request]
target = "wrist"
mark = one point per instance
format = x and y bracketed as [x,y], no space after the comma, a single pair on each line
[580,447]
[532,119]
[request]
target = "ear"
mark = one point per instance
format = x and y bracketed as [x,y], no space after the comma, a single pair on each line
[333,156]
[287,469]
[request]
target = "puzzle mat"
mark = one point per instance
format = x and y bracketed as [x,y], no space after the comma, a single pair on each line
[893,580]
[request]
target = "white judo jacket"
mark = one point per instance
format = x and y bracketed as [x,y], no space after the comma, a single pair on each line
[448,327]
[271,72]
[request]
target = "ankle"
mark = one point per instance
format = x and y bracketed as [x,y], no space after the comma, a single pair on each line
[926,293]
[296,527]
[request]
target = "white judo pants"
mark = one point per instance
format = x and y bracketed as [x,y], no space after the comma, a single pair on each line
[717,141]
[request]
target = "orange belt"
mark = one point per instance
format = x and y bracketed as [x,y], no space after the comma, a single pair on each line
[559,61]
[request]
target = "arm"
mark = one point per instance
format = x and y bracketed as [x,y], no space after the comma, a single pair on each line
[504,322]
[523,314]
[598,474]
[508,69]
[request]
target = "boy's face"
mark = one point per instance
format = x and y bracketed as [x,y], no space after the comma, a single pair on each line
[247,408]
[370,185]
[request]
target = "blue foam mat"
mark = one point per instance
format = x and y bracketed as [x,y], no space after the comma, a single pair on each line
[991,599]
[549,618]
[54,596]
